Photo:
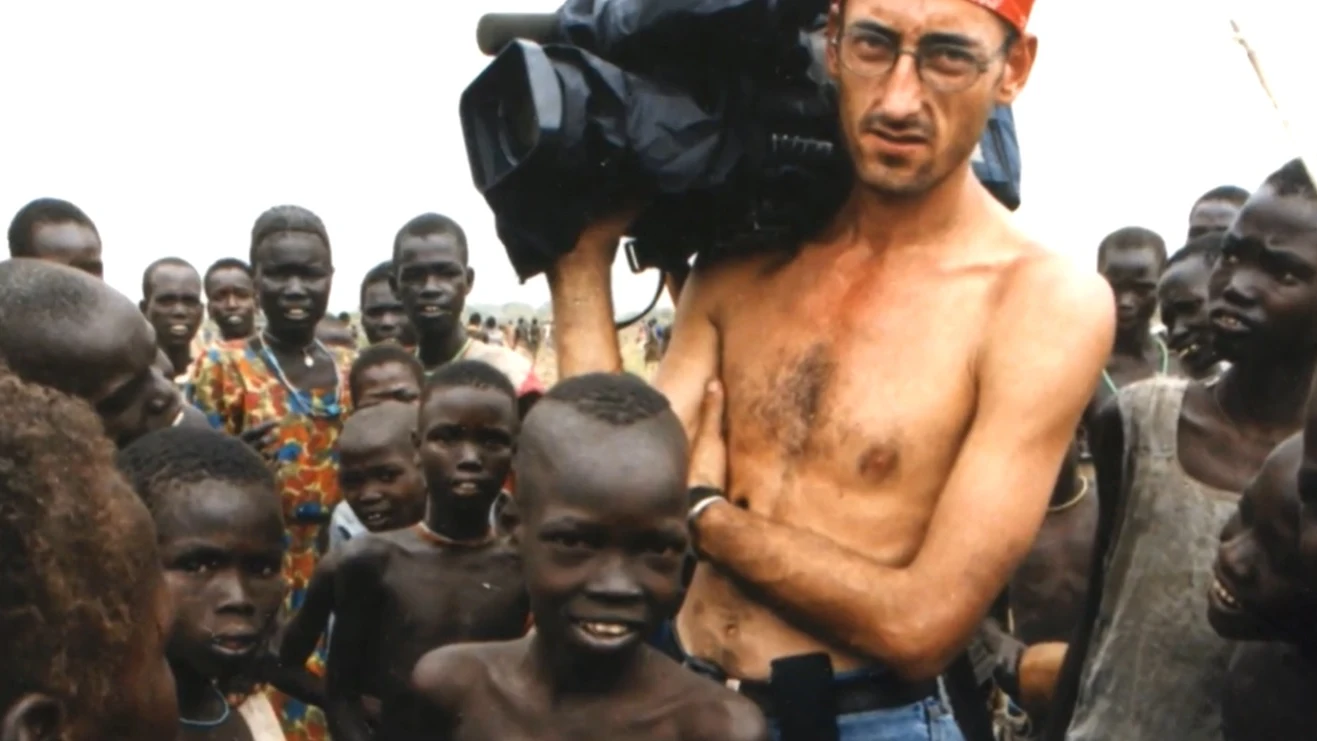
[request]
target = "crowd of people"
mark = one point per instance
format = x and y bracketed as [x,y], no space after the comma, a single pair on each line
[1059,520]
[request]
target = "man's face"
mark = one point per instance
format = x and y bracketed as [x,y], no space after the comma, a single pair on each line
[1262,589]
[231,301]
[1182,296]
[603,543]
[294,273]
[1264,288]
[222,548]
[466,442]
[383,316]
[69,243]
[432,281]
[909,128]
[1133,273]
[1211,216]
[173,306]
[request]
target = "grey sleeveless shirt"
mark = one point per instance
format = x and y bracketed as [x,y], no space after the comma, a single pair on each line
[1155,669]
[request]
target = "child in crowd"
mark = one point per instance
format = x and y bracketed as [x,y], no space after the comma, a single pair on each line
[599,517]
[385,372]
[377,472]
[383,490]
[220,532]
[449,578]
[84,611]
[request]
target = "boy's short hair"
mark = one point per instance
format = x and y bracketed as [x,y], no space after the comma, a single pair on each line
[383,354]
[380,426]
[1232,194]
[77,553]
[616,398]
[1133,238]
[469,374]
[160,462]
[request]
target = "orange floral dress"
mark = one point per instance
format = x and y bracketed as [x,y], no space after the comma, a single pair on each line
[239,387]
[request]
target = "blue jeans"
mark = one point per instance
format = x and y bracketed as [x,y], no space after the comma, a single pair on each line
[927,720]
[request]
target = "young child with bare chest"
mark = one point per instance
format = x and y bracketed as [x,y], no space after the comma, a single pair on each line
[599,516]
[449,578]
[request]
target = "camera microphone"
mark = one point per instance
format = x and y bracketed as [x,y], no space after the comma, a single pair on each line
[497,30]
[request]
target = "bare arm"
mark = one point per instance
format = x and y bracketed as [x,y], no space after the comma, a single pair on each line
[917,617]
[351,663]
[581,284]
[1108,445]
[304,630]
[692,357]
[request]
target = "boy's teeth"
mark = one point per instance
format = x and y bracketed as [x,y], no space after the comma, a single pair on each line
[606,629]
[1224,595]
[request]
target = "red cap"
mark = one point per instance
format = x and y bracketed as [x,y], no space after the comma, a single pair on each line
[1015,12]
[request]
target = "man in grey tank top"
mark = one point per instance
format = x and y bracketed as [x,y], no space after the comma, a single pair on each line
[1171,456]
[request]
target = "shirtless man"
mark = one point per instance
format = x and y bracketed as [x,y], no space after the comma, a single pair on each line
[881,488]
[56,231]
[1215,210]
[1172,457]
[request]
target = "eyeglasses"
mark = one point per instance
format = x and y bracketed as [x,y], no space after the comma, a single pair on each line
[946,68]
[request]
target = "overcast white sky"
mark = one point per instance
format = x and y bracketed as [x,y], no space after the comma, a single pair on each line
[175,124]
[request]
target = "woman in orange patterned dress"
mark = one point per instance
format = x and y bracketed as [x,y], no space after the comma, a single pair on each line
[290,391]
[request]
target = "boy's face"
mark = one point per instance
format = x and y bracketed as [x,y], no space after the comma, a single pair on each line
[1262,590]
[1133,273]
[382,484]
[386,382]
[465,444]
[1264,287]
[603,535]
[222,547]
[1182,295]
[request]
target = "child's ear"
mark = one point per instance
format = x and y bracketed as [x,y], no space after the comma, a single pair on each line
[34,717]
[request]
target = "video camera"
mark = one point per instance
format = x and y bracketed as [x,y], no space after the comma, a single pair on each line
[717,114]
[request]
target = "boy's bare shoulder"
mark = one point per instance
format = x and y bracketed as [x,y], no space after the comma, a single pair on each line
[445,675]
[711,711]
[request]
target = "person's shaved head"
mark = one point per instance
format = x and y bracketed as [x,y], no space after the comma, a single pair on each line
[384,425]
[62,328]
[611,420]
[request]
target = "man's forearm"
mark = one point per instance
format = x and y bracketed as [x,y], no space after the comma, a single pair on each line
[585,337]
[875,610]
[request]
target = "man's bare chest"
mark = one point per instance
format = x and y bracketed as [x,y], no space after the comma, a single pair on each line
[863,385]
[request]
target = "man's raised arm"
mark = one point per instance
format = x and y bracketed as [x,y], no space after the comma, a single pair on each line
[1040,363]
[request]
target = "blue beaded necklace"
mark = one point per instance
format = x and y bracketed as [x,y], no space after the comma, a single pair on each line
[224,716]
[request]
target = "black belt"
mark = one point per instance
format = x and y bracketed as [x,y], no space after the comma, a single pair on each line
[858,695]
